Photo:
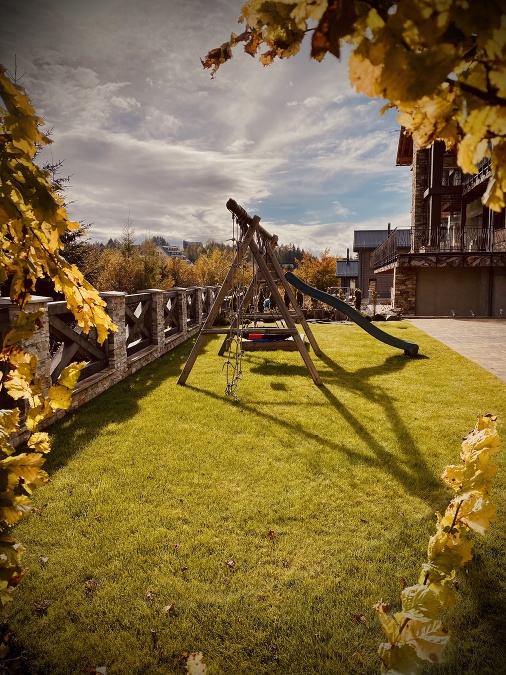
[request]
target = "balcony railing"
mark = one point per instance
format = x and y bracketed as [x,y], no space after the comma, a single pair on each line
[439,240]
[453,240]
[471,181]
[387,252]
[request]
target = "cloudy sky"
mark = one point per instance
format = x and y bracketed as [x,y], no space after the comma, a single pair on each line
[147,134]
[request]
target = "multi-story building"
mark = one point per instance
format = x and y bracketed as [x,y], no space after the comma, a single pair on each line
[365,242]
[174,252]
[456,263]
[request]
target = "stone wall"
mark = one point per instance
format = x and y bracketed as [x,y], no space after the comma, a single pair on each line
[119,364]
[404,290]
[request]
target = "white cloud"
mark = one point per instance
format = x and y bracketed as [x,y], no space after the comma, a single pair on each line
[143,128]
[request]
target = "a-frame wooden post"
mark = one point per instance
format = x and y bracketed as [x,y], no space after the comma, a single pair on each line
[222,294]
[285,312]
[298,310]
[248,241]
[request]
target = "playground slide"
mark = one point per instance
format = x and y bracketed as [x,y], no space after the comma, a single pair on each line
[410,348]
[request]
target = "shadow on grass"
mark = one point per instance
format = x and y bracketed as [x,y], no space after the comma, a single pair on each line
[414,475]
[116,405]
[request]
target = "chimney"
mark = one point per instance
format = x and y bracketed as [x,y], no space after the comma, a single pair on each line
[388,229]
[347,255]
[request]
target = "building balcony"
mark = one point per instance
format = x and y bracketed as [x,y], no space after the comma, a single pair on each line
[454,240]
[474,185]
[399,240]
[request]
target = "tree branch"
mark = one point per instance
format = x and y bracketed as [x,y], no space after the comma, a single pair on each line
[486,96]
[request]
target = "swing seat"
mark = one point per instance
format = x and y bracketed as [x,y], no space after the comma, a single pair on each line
[280,341]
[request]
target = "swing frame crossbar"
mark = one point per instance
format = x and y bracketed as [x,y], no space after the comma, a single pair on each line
[261,244]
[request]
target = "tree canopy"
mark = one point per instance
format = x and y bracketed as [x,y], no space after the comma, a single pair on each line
[440,63]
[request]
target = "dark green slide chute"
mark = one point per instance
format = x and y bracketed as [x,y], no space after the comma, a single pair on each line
[410,348]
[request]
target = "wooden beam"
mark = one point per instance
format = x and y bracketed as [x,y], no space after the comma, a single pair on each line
[291,296]
[222,293]
[285,313]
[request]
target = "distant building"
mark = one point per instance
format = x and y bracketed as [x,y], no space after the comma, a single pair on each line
[347,272]
[174,252]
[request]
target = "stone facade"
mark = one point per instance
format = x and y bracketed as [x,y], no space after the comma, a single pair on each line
[404,290]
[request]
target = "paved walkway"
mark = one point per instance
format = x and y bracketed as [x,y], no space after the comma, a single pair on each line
[480,340]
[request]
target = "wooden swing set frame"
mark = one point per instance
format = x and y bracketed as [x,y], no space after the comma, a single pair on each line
[261,244]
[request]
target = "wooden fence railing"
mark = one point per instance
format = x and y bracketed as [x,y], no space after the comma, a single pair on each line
[150,323]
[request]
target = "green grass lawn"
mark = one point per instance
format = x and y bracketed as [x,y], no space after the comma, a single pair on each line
[320,499]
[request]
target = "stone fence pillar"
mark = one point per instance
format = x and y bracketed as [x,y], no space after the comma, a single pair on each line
[116,342]
[199,305]
[182,308]
[38,344]
[157,316]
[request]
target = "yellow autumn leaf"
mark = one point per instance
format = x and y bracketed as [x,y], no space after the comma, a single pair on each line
[18,387]
[364,76]
[419,602]
[70,375]
[59,397]
[10,555]
[9,420]
[40,479]
[480,444]
[12,514]
[477,512]
[445,592]
[399,659]
[25,465]
[39,441]
[5,592]
[388,623]
[36,414]
[24,327]
[467,477]
[427,638]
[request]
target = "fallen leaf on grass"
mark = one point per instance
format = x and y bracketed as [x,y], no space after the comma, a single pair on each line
[17,578]
[403,582]
[271,534]
[360,618]
[230,564]
[150,596]
[285,564]
[169,609]
[195,664]
[43,560]
[40,608]
[90,586]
